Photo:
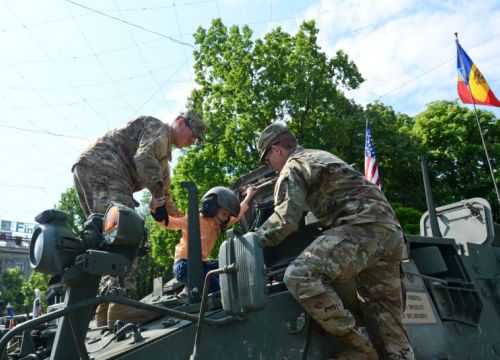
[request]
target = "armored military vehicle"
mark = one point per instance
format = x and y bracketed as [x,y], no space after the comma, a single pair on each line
[451,278]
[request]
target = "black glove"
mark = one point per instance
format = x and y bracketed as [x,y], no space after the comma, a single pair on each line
[143,251]
[161,214]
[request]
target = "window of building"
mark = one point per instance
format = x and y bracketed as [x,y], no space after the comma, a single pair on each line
[20,264]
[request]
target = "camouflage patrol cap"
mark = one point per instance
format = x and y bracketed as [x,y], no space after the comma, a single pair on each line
[195,123]
[268,136]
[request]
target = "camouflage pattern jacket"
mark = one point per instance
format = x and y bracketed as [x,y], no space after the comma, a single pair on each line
[334,192]
[137,152]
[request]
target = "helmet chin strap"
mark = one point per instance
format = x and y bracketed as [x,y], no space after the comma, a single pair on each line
[223,223]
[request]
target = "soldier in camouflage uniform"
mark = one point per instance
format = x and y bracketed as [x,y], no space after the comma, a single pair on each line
[361,240]
[123,161]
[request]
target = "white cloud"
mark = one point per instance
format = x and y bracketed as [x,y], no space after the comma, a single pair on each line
[405,50]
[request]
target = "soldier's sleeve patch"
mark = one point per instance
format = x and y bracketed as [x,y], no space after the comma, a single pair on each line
[281,193]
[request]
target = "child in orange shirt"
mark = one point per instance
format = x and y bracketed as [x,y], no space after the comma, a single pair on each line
[220,209]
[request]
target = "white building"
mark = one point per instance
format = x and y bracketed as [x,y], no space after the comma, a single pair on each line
[15,240]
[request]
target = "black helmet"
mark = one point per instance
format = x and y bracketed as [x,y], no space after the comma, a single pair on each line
[219,196]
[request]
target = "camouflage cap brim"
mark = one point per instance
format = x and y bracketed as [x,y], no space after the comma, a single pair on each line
[195,123]
[268,136]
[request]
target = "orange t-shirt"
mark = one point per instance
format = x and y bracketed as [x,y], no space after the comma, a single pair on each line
[209,230]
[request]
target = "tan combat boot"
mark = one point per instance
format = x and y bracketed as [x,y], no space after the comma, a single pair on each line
[129,314]
[357,347]
[101,314]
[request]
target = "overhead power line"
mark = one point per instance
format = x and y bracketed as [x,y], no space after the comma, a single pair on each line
[82,56]
[42,23]
[42,131]
[101,83]
[164,6]
[101,64]
[142,54]
[131,24]
[432,69]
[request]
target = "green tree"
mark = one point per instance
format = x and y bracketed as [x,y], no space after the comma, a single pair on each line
[450,140]
[70,204]
[159,260]
[408,217]
[397,155]
[36,281]
[245,85]
[10,287]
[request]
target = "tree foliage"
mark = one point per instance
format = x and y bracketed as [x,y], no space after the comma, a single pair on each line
[397,155]
[36,281]
[70,204]
[245,84]
[451,142]
[408,217]
[159,261]
[10,287]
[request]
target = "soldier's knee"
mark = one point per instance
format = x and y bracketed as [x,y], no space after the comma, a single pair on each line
[302,282]
[293,275]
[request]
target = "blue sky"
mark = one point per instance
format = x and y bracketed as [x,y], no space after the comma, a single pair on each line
[70,73]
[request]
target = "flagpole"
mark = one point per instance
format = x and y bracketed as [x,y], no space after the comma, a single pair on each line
[479,125]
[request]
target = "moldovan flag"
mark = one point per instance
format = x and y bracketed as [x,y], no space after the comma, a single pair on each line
[371,167]
[469,74]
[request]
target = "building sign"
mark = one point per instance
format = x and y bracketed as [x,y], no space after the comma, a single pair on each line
[17,227]
[24,228]
[418,309]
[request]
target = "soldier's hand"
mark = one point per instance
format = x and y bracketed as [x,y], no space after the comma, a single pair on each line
[143,251]
[156,202]
[160,214]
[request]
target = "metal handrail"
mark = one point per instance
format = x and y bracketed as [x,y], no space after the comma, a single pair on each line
[102,299]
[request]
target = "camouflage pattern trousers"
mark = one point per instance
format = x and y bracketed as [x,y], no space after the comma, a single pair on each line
[96,189]
[370,254]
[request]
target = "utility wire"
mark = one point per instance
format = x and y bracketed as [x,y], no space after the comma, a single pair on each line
[131,24]
[63,75]
[164,6]
[42,23]
[101,63]
[84,56]
[179,29]
[218,10]
[142,54]
[42,131]
[157,91]
[432,69]
[128,78]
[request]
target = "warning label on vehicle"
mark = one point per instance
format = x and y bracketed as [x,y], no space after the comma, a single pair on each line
[418,309]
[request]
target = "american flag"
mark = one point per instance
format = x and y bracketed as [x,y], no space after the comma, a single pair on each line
[371,167]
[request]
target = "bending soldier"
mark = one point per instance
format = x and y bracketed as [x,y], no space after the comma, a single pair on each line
[362,241]
[128,159]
